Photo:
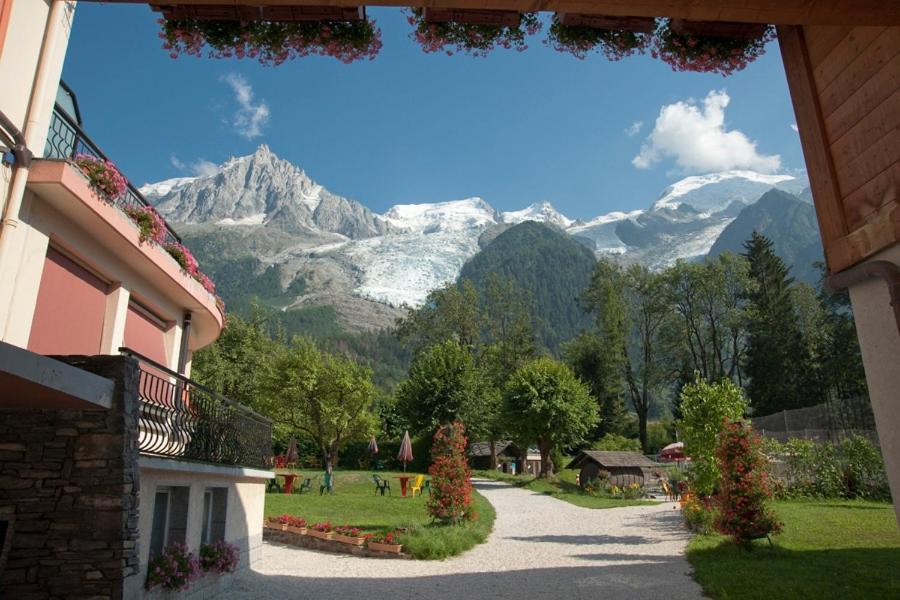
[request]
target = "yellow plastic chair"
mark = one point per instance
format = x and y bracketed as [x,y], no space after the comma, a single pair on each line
[417,485]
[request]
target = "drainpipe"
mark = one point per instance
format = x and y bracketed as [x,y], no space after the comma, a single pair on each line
[185,339]
[882,269]
[13,203]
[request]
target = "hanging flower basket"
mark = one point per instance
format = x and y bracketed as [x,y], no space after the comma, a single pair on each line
[277,14]
[710,47]
[476,32]
[272,42]
[614,37]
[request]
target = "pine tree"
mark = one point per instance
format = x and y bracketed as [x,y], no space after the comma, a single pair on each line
[777,362]
[590,359]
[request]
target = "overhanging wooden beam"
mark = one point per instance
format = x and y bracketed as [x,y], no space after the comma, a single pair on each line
[782,12]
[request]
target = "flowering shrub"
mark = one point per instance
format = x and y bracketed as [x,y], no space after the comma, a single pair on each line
[451,479]
[219,556]
[104,177]
[272,43]
[708,54]
[699,512]
[149,222]
[743,513]
[477,40]
[175,568]
[614,44]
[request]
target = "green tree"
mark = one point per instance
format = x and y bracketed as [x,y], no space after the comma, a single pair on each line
[443,386]
[329,398]
[545,402]
[705,407]
[778,365]
[449,313]
[588,357]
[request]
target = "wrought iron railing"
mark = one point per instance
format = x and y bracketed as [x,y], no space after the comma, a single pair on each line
[183,419]
[66,140]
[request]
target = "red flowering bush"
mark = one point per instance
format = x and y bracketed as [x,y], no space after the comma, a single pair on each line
[272,43]
[451,480]
[614,44]
[708,54]
[219,556]
[744,489]
[103,176]
[149,222]
[175,568]
[474,39]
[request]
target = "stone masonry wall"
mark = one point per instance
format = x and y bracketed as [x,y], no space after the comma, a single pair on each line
[69,486]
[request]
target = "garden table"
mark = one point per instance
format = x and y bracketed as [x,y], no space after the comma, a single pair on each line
[288,482]
[404,479]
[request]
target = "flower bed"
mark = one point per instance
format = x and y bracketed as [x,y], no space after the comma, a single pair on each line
[323,536]
[272,43]
[685,50]
[477,39]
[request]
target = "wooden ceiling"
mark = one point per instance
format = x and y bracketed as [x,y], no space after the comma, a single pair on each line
[784,12]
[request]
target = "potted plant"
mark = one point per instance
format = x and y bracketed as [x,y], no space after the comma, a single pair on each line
[219,557]
[385,543]
[710,47]
[323,531]
[284,521]
[103,176]
[614,37]
[350,535]
[297,525]
[175,568]
[149,222]
[271,42]
[449,31]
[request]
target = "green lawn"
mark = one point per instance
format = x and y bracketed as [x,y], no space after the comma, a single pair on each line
[828,549]
[355,503]
[563,487]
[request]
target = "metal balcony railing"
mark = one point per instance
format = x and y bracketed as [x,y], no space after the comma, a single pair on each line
[183,419]
[66,140]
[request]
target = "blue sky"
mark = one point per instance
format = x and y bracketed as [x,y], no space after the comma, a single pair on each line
[513,128]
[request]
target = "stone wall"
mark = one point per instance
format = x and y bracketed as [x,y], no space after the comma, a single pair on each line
[69,484]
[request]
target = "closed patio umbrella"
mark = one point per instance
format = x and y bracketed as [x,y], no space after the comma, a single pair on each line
[373,446]
[290,457]
[405,453]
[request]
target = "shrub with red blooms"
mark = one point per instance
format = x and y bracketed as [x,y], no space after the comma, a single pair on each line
[708,54]
[744,489]
[614,44]
[149,222]
[103,176]
[272,43]
[477,40]
[451,480]
[220,556]
[175,568]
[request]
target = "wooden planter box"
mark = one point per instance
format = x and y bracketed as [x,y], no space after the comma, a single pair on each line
[346,539]
[297,530]
[322,535]
[379,547]
[502,18]
[280,14]
[634,24]
[722,29]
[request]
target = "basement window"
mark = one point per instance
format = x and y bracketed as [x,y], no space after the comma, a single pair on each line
[215,506]
[170,509]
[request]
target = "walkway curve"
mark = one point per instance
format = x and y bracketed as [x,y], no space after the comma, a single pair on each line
[540,548]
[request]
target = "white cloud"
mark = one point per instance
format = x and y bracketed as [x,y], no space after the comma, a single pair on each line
[251,116]
[795,128]
[695,136]
[200,167]
[634,129]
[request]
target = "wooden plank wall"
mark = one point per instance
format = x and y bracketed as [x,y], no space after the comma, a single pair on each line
[845,83]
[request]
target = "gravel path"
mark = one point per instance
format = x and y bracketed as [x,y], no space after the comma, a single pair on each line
[540,548]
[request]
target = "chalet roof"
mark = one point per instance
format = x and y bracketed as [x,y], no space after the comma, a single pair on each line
[484,448]
[608,459]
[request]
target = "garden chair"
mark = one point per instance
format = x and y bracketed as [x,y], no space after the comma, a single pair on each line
[381,484]
[306,485]
[417,485]
[327,484]
[273,487]
[428,486]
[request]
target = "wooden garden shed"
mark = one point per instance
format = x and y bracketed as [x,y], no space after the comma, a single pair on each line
[624,468]
[507,452]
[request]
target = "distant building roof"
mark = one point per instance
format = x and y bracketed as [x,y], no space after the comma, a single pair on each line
[608,459]
[484,448]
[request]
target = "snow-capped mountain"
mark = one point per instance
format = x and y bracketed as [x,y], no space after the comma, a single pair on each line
[344,255]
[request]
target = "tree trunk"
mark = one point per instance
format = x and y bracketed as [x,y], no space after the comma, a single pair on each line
[493,443]
[642,430]
[546,462]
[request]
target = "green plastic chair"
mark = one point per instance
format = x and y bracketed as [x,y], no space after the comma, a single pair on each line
[327,484]
[306,485]
[381,484]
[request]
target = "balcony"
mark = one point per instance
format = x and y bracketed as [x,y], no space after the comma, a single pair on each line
[184,420]
[103,236]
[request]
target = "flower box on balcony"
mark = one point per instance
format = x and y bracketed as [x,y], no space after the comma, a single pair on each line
[381,547]
[322,535]
[633,24]
[348,539]
[719,29]
[275,14]
[502,18]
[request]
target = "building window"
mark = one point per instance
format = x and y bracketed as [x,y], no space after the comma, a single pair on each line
[215,507]
[170,511]
[145,333]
